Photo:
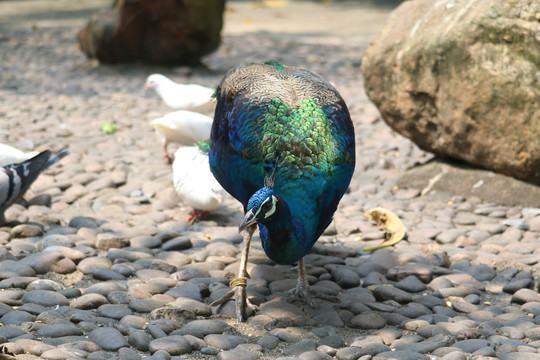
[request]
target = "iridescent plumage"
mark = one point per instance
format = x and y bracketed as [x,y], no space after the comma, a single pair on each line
[282,143]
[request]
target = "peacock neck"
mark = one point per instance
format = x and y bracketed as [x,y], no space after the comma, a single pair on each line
[284,238]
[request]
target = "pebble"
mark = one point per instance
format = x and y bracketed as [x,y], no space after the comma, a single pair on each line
[344,277]
[113,311]
[108,339]
[58,330]
[400,355]
[45,298]
[140,340]
[14,268]
[50,262]
[89,301]
[482,272]
[190,305]
[516,285]
[223,342]
[26,230]
[191,291]
[411,284]
[383,293]
[237,354]
[145,242]
[128,354]
[16,318]
[300,347]
[88,265]
[450,235]
[202,328]
[367,321]
[105,274]
[134,321]
[472,345]
[350,353]
[108,289]
[106,241]
[173,345]
[20,282]
[525,295]
[177,244]
[268,342]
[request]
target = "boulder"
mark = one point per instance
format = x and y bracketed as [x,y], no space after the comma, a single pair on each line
[462,80]
[165,32]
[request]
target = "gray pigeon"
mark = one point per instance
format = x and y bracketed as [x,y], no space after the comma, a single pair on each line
[15,179]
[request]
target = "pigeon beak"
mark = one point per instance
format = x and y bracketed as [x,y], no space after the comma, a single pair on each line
[249,219]
[219,198]
[146,87]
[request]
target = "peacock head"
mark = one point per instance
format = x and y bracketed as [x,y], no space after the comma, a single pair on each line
[262,207]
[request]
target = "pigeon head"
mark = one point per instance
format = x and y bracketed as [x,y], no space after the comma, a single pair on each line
[154,80]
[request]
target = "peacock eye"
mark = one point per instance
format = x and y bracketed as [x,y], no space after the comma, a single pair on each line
[266,206]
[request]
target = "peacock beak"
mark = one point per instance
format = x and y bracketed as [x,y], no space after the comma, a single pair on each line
[249,219]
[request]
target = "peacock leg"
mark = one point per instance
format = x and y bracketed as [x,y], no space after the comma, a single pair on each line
[302,292]
[238,291]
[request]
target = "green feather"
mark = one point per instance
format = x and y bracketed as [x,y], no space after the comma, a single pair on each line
[277,65]
[300,137]
[203,146]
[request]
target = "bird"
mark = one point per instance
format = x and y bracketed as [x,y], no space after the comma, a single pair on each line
[183,127]
[177,96]
[282,143]
[15,179]
[193,181]
[11,155]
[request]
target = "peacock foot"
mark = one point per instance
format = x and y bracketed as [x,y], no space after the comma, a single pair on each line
[238,293]
[308,296]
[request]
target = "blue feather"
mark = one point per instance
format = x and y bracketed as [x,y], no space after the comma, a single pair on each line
[282,143]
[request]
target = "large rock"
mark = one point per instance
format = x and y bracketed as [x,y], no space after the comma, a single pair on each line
[168,32]
[462,79]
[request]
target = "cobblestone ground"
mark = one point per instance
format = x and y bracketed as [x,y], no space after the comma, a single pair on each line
[100,261]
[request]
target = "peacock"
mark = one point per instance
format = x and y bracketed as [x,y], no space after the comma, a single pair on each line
[282,143]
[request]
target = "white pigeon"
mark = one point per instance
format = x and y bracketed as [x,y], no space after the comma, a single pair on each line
[10,155]
[193,97]
[182,127]
[15,179]
[193,181]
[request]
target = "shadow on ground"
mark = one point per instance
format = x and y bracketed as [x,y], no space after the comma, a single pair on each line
[457,179]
